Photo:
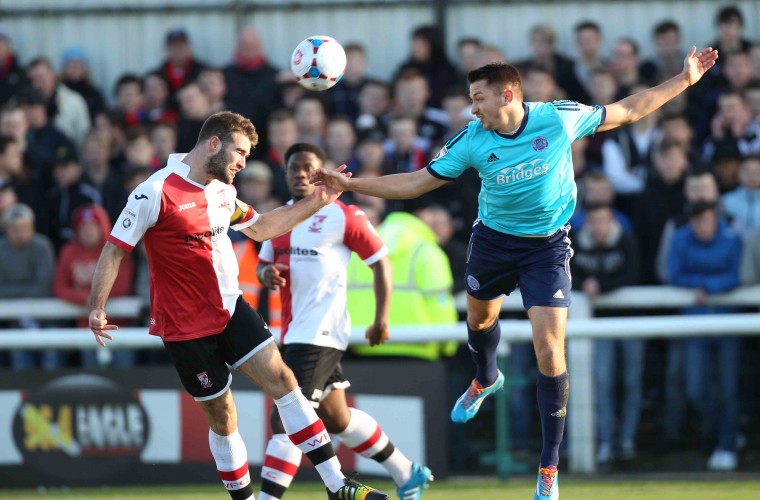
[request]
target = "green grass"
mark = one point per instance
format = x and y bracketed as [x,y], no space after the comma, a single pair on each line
[444,490]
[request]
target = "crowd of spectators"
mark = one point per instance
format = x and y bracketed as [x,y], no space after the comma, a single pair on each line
[672,199]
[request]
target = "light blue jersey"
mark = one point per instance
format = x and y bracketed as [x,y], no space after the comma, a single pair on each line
[527,180]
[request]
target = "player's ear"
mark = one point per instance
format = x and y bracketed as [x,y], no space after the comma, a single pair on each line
[214,144]
[508,95]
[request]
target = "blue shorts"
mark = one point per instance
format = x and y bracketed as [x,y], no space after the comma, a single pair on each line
[497,263]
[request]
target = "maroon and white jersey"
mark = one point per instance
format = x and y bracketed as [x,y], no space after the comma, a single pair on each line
[193,269]
[317,252]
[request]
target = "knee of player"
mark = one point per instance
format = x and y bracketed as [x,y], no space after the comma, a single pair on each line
[479,323]
[223,420]
[335,422]
[550,354]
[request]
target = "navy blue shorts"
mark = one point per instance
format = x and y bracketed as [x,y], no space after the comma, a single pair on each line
[497,263]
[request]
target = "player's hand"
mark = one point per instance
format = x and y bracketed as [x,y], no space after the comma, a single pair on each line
[272,276]
[333,179]
[99,325]
[377,334]
[696,63]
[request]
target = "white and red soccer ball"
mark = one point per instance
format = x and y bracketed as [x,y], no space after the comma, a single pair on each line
[318,62]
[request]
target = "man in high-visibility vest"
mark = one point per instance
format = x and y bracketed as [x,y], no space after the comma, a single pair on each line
[422,287]
[248,258]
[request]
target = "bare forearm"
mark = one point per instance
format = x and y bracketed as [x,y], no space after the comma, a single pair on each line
[280,221]
[383,285]
[643,103]
[395,186]
[105,274]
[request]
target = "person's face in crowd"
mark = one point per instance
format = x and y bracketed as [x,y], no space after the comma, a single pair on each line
[589,43]
[732,107]
[597,192]
[738,70]
[74,70]
[230,159]
[603,87]
[139,152]
[112,130]
[421,49]
[701,188]
[599,223]
[411,95]
[677,130]
[754,54]
[371,155]
[752,100]
[310,116]
[283,134]
[726,170]
[439,220]
[249,45]
[13,123]
[668,44]
[90,234]
[20,232]
[155,92]
[403,132]
[749,173]
[6,49]
[730,32]
[469,56]
[67,174]
[255,191]
[539,86]
[542,46]
[212,84]
[374,99]
[11,161]
[129,98]
[671,164]
[624,58]
[193,103]
[36,115]
[43,79]
[96,153]
[340,137]
[291,94]
[164,141]
[178,52]
[356,65]
[490,54]
[8,198]
[704,225]
[299,167]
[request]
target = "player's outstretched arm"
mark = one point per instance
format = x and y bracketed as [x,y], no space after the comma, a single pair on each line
[102,281]
[637,106]
[378,332]
[285,218]
[391,187]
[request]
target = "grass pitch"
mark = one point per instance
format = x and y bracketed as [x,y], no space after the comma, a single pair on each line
[488,489]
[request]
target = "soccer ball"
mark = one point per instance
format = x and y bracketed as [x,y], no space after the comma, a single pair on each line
[318,62]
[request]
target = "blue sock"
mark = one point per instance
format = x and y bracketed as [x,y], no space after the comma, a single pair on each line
[552,405]
[482,344]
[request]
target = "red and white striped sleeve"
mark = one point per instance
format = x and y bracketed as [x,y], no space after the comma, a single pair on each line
[243,216]
[360,235]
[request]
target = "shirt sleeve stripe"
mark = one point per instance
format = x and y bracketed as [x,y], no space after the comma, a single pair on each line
[439,176]
[247,222]
[124,246]
[377,256]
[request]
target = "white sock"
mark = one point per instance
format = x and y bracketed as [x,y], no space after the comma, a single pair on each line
[307,431]
[364,435]
[281,463]
[231,460]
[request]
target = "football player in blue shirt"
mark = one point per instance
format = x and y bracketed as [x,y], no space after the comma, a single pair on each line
[521,151]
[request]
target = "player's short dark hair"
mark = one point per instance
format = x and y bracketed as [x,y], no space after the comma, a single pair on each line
[729,14]
[665,27]
[305,147]
[497,73]
[587,25]
[225,123]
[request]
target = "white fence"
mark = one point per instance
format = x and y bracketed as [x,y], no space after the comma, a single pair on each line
[582,329]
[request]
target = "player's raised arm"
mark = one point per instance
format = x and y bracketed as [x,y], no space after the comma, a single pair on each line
[636,106]
[102,281]
[391,187]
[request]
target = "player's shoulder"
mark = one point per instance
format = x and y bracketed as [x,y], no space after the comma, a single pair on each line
[347,209]
[566,105]
[154,183]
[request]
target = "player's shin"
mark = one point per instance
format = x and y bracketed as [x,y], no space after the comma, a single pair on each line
[483,344]
[231,460]
[280,465]
[308,433]
[364,435]
[552,395]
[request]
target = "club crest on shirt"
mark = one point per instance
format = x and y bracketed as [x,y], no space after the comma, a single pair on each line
[316,223]
[443,152]
[203,378]
[540,143]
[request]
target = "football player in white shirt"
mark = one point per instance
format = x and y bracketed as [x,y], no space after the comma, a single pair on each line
[308,265]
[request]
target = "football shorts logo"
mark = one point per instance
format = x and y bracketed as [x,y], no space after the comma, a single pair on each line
[540,143]
[473,283]
[203,379]
[443,152]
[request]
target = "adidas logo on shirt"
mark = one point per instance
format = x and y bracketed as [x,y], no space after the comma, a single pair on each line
[492,157]
[558,295]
